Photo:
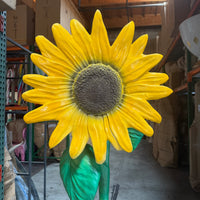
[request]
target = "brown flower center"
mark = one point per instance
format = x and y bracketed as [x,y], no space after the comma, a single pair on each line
[97,89]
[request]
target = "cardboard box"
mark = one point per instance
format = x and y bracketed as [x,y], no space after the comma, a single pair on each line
[165,140]
[16,128]
[194,135]
[7,5]
[21,25]
[39,135]
[176,73]
[60,148]
[29,3]
[49,12]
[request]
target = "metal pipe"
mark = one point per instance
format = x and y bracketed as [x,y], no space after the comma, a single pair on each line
[190,90]
[16,112]
[22,174]
[18,45]
[13,78]
[30,160]
[115,192]
[79,3]
[12,63]
[30,144]
[122,7]
[148,5]
[33,162]
[45,156]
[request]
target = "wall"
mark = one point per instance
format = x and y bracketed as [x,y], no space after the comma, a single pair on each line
[152,46]
[20,25]
[49,12]
[68,11]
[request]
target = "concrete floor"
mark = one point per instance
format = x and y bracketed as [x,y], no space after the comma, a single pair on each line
[138,176]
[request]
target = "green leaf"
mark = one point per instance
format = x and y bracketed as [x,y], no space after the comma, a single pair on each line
[80,176]
[135,136]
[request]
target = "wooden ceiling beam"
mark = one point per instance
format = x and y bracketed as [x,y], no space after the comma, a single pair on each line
[139,20]
[95,3]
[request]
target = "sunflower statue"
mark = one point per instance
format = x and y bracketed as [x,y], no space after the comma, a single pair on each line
[98,92]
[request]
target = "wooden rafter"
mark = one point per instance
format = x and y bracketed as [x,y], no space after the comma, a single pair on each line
[116,13]
[117,19]
[139,20]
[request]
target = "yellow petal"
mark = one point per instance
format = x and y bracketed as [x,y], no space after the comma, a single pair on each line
[138,47]
[148,92]
[100,42]
[49,111]
[50,51]
[68,46]
[152,78]
[109,134]
[64,127]
[137,68]
[121,46]
[134,120]
[82,37]
[142,107]
[80,136]
[120,131]
[39,96]
[51,67]
[44,82]
[98,137]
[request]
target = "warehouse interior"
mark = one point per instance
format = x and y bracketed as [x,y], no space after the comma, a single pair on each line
[165,166]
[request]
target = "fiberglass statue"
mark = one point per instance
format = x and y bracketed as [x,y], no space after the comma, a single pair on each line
[98,92]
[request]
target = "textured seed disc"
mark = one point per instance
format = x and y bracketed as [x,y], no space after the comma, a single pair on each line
[97,89]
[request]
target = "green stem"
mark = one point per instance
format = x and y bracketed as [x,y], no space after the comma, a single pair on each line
[105,177]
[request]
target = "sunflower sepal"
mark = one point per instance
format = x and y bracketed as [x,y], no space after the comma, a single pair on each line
[135,137]
[82,176]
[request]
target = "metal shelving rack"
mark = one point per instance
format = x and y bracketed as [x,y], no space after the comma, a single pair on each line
[23,110]
[2,97]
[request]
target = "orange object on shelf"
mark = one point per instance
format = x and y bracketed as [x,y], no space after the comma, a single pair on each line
[192,73]
[16,48]
[181,88]
[16,108]
[16,59]
[189,79]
